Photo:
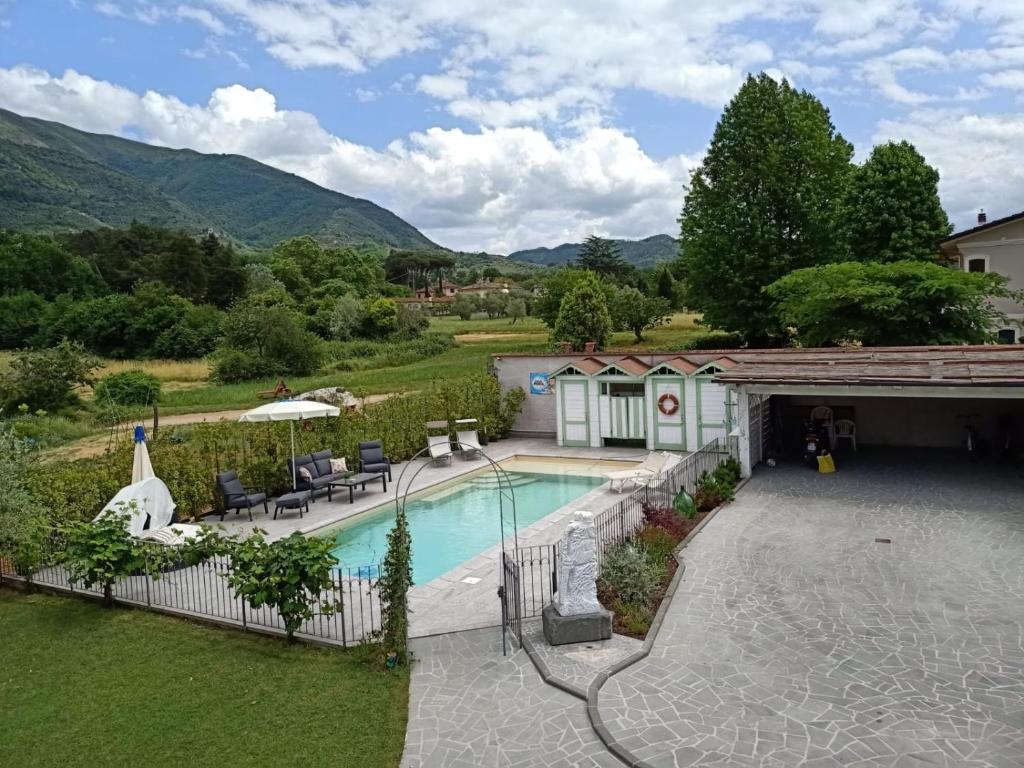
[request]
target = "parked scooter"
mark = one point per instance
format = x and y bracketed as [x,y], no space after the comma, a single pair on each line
[815,442]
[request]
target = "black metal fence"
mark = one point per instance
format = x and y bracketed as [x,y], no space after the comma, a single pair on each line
[534,569]
[201,592]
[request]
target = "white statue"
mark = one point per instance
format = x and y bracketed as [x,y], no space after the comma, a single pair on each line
[577,568]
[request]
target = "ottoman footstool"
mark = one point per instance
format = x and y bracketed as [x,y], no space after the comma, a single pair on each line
[297,500]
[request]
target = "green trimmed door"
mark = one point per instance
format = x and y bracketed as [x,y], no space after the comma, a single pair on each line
[669,428]
[575,404]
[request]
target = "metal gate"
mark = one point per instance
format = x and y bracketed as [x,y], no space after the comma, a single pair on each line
[510,591]
[760,421]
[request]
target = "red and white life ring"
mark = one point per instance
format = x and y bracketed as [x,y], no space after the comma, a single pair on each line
[668,404]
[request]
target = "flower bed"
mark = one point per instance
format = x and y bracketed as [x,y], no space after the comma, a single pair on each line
[635,574]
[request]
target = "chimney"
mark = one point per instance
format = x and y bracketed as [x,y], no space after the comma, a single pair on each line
[982,217]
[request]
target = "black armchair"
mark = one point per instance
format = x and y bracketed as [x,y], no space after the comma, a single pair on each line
[372,458]
[237,496]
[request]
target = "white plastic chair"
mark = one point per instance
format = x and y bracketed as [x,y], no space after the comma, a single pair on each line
[823,414]
[846,429]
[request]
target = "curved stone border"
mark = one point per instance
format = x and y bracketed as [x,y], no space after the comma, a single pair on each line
[594,689]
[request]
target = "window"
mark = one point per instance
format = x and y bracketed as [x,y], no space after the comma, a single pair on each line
[977,265]
[1007,336]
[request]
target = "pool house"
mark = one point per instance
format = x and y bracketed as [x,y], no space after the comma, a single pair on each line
[662,402]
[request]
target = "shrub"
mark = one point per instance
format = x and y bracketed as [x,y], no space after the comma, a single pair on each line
[231,366]
[717,487]
[411,321]
[47,378]
[633,618]
[288,574]
[21,521]
[128,388]
[666,518]
[630,575]
[394,584]
[657,542]
[718,340]
[380,318]
[101,552]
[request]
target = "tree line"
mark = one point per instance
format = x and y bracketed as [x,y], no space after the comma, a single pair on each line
[785,240]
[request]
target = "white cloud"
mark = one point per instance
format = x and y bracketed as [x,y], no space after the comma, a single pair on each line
[1012,79]
[445,87]
[978,157]
[499,189]
[203,17]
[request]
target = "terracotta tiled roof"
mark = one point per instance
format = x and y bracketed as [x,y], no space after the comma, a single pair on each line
[632,365]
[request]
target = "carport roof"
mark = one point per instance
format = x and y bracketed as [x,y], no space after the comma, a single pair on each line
[974,366]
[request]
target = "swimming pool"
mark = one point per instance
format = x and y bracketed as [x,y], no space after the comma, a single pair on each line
[451,525]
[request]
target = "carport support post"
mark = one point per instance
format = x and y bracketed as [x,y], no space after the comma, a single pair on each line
[743,406]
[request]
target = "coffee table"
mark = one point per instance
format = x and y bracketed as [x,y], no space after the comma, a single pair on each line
[361,479]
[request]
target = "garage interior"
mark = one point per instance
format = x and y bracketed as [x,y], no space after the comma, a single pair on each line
[914,402]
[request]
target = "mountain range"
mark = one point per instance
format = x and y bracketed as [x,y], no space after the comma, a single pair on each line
[54,178]
[648,252]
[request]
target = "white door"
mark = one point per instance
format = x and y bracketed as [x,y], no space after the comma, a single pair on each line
[713,411]
[575,413]
[669,426]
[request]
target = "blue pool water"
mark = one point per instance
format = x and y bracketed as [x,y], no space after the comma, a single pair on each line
[449,527]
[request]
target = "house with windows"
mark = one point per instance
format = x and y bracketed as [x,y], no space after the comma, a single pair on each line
[994,246]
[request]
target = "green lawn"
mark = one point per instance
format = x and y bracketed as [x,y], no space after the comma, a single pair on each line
[81,685]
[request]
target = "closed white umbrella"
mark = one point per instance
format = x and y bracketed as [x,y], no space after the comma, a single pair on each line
[291,411]
[142,468]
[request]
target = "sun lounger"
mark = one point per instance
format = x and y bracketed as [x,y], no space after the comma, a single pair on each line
[642,474]
[440,448]
[469,443]
[171,535]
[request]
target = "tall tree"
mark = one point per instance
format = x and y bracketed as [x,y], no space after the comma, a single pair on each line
[895,212]
[583,315]
[601,256]
[767,199]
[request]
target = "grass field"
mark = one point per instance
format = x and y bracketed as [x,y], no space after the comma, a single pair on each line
[81,685]
[187,389]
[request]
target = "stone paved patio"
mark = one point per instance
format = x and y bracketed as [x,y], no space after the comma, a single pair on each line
[796,639]
[470,707]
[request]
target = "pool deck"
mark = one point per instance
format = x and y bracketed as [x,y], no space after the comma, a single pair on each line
[450,603]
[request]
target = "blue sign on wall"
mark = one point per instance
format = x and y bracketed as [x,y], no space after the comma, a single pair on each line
[541,384]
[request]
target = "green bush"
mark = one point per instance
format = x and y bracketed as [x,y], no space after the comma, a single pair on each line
[717,487]
[231,366]
[135,387]
[656,542]
[46,379]
[630,574]
[21,517]
[287,574]
[101,552]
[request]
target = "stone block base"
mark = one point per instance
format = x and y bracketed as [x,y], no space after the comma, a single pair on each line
[583,628]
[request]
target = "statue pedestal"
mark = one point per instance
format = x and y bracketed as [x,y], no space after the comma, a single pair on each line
[581,628]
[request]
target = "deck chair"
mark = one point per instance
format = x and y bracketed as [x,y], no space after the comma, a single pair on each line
[468,439]
[440,448]
[642,474]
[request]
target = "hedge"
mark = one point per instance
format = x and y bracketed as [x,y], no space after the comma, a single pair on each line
[188,458]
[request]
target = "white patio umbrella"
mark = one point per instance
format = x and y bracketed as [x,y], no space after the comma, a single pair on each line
[290,411]
[142,468]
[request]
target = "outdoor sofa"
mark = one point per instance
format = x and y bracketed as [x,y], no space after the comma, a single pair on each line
[313,473]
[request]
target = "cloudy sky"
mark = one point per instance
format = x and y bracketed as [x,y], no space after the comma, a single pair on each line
[505,124]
